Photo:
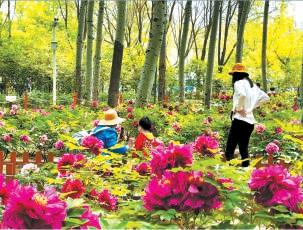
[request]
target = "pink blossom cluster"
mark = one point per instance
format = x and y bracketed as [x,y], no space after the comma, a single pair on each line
[105,199]
[59,144]
[143,169]
[274,185]
[26,208]
[260,128]
[25,138]
[176,127]
[206,145]
[173,156]
[182,191]
[272,148]
[69,162]
[93,144]
[278,130]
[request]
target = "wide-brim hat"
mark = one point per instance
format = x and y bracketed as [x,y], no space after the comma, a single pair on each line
[238,68]
[111,118]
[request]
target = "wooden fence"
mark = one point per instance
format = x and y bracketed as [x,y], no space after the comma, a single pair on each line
[11,165]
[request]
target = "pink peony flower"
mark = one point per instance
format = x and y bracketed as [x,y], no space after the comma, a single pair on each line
[80,160]
[295,122]
[119,128]
[12,112]
[28,209]
[2,124]
[43,138]
[6,189]
[260,128]
[59,144]
[215,95]
[93,144]
[92,219]
[171,157]
[2,113]
[272,148]
[176,127]
[295,108]
[206,145]
[130,101]
[96,122]
[129,109]
[182,191]
[278,130]
[107,200]
[94,103]
[274,185]
[72,107]
[75,186]
[25,138]
[6,137]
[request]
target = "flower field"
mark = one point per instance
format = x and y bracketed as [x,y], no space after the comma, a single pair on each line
[184,183]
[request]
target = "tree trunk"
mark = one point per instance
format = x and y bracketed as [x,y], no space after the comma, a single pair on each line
[243,11]
[89,51]
[79,50]
[211,54]
[97,65]
[264,45]
[113,91]
[187,15]
[152,54]
[162,69]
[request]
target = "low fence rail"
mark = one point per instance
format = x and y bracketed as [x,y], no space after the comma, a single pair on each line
[10,165]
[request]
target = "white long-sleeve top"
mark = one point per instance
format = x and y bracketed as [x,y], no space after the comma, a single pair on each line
[247,98]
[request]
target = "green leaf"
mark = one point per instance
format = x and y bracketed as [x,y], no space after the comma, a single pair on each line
[75,212]
[71,203]
[74,222]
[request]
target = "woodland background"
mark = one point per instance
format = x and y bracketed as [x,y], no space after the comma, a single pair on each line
[147,49]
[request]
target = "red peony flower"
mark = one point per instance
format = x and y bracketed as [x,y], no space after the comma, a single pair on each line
[107,200]
[28,209]
[274,185]
[65,163]
[93,144]
[143,169]
[75,186]
[206,145]
[80,160]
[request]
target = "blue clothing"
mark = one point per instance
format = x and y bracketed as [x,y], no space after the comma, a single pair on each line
[109,136]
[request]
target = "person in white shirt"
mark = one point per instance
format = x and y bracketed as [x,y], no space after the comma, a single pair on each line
[247,96]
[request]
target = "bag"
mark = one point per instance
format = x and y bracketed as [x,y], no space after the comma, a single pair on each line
[79,136]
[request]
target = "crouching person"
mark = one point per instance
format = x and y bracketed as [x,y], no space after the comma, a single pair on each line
[106,131]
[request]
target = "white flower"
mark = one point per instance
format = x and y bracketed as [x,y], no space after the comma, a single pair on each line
[29,169]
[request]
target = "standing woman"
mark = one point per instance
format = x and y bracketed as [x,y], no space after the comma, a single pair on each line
[247,96]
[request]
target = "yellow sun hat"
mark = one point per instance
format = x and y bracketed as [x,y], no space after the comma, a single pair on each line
[238,68]
[111,118]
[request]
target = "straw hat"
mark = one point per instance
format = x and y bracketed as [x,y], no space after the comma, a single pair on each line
[111,118]
[238,68]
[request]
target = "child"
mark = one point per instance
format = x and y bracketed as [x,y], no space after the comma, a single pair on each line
[106,131]
[145,140]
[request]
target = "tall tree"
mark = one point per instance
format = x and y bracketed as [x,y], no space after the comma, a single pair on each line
[97,60]
[152,54]
[243,10]
[211,54]
[207,19]
[264,45]
[223,32]
[89,51]
[114,84]
[79,49]
[162,58]
[187,15]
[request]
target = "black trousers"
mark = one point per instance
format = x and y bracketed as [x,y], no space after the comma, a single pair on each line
[239,134]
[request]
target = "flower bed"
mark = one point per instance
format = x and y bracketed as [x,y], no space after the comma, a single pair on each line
[181,184]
